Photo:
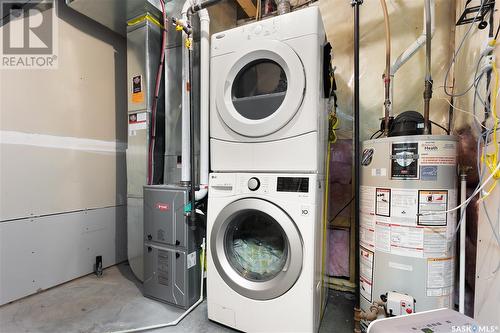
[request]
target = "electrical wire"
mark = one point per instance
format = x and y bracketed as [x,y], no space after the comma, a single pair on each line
[324,245]
[491,160]
[493,163]
[472,84]
[455,54]
[498,28]
[441,127]
[466,202]
[476,118]
[481,170]
[377,132]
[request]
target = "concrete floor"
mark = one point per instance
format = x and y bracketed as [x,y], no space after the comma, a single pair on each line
[114,302]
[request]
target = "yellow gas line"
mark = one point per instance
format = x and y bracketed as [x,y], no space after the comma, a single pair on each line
[331,139]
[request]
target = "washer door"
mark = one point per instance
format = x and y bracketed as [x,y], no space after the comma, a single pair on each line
[262,89]
[256,248]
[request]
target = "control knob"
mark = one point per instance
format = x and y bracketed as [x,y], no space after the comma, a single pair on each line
[253,184]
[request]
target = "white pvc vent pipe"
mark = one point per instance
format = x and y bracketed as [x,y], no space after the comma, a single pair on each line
[412,49]
[204,103]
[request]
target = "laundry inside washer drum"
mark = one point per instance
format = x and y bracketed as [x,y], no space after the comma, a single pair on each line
[256,247]
[258,259]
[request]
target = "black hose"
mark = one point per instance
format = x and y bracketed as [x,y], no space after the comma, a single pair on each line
[357,148]
[202,5]
[441,127]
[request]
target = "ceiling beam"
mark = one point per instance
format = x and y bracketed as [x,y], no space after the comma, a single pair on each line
[248,7]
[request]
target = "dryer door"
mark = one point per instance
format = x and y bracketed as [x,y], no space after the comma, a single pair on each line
[262,88]
[256,248]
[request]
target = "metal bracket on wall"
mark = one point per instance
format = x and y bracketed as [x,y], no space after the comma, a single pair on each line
[469,13]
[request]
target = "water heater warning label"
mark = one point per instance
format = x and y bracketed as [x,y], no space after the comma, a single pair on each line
[432,206]
[383,202]
[404,160]
[366,273]
[407,222]
[440,272]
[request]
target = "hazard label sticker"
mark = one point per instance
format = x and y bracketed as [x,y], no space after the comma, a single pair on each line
[432,206]
[440,272]
[383,202]
[366,273]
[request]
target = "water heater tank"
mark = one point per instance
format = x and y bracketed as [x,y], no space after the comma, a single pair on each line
[406,234]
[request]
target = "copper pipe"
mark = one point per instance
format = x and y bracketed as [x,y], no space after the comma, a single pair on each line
[387,73]
[428,76]
[371,315]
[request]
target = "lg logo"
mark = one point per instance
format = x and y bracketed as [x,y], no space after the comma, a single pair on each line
[29,34]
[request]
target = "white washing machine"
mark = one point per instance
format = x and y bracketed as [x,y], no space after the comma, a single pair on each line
[268,111]
[264,255]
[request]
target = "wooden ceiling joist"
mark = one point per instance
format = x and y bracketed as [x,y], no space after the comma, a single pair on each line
[248,7]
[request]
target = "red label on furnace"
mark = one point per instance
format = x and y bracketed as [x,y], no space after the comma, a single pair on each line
[162,206]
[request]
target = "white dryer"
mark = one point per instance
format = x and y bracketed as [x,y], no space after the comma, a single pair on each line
[264,254]
[267,109]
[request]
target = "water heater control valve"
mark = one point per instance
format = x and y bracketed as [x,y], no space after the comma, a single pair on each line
[399,304]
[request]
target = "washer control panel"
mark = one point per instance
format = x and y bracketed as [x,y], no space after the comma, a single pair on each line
[291,186]
[253,184]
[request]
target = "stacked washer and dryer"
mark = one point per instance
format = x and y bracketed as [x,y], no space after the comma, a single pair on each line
[268,135]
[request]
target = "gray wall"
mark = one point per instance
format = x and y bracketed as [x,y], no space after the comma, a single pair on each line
[62,161]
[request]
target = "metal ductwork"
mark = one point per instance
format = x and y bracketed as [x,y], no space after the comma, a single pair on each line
[114,14]
[140,22]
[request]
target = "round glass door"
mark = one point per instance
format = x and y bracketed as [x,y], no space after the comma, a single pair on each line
[259,89]
[256,248]
[262,88]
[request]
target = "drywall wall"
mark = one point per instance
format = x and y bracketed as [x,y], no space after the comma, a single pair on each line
[62,143]
[39,253]
[63,131]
